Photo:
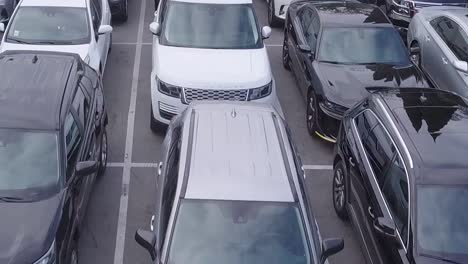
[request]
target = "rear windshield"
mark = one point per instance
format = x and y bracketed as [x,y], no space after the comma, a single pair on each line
[238,232]
[28,161]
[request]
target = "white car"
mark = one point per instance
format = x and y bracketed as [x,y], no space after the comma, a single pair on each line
[207,50]
[75,26]
[277,11]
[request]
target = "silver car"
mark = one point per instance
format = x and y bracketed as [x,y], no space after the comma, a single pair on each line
[438,41]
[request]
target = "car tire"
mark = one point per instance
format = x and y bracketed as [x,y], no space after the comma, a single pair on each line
[339,190]
[123,14]
[155,125]
[103,154]
[416,58]
[285,55]
[273,21]
[311,112]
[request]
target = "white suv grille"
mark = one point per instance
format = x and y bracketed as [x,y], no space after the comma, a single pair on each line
[214,95]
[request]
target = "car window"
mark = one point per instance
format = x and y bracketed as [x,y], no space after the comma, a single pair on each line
[81,105]
[306,19]
[170,182]
[49,25]
[380,150]
[312,32]
[95,17]
[365,122]
[453,36]
[98,6]
[73,140]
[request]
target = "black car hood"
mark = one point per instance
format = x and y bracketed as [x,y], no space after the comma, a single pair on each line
[27,230]
[346,84]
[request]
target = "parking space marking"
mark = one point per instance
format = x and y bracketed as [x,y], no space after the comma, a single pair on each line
[131,43]
[317,167]
[132,165]
[122,221]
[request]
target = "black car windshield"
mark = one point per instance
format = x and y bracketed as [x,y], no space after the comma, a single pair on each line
[49,25]
[238,232]
[442,221]
[28,161]
[362,46]
[210,26]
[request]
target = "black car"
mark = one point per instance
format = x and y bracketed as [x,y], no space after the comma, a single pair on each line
[119,9]
[400,176]
[335,50]
[53,144]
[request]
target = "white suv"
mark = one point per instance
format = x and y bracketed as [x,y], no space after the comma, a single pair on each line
[207,50]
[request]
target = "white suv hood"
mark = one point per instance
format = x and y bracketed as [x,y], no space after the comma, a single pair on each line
[212,68]
[81,50]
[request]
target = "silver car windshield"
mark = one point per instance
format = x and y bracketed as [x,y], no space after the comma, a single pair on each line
[442,228]
[28,160]
[238,232]
[362,46]
[210,26]
[49,25]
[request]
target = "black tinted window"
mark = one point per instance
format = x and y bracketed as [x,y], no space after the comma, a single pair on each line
[81,105]
[311,33]
[96,18]
[380,151]
[453,35]
[73,143]
[365,122]
[306,19]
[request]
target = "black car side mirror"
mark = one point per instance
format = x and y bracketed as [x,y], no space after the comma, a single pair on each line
[147,240]
[386,227]
[331,247]
[84,168]
[415,50]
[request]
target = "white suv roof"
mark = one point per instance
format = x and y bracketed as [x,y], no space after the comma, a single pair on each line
[237,153]
[216,1]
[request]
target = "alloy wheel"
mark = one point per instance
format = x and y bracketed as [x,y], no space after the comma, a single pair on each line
[338,189]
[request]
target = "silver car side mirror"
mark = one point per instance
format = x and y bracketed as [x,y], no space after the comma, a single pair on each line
[461,65]
[266,32]
[154,28]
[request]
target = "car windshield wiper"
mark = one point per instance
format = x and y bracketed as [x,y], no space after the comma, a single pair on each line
[441,258]
[18,40]
[52,42]
[11,199]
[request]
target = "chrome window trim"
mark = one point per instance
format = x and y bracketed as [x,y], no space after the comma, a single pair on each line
[387,115]
[405,245]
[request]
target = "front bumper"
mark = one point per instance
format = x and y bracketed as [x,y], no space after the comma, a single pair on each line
[281,9]
[166,107]
[328,123]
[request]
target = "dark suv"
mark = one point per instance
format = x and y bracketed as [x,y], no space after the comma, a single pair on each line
[53,144]
[400,176]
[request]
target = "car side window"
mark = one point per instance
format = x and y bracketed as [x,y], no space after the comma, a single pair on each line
[98,5]
[306,18]
[312,32]
[170,182]
[453,36]
[395,191]
[380,151]
[365,122]
[73,140]
[95,17]
[81,105]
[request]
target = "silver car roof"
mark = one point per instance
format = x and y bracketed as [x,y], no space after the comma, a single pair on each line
[237,153]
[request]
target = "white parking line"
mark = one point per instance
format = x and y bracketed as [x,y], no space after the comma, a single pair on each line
[149,43]
[132,165]
[122,222]
[317,167]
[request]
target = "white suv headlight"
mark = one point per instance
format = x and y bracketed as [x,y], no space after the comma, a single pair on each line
[168,89]
[49,257]
[260,92]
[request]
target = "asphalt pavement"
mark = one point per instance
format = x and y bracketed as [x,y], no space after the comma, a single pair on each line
[124,198]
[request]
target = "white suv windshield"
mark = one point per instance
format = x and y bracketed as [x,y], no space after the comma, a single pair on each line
[29,160]
[238,232]
[49,25]
[215,26]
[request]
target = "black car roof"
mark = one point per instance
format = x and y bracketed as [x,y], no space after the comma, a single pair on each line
[437,124]
[32,87]
[350,14]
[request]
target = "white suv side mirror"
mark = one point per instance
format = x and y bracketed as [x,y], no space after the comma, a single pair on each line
[154,28]
[2,27]
[461,65]
[266,32]
[104,29]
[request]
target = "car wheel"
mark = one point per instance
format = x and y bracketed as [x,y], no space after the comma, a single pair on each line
[273,21]
[286,58]
[124,11]
[339,190]
[312,112]
[103,154]
[416,58]
[156,126]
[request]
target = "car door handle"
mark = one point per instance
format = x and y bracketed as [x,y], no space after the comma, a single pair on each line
[444,60]
[351,162]
[427,38]
[371,212]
